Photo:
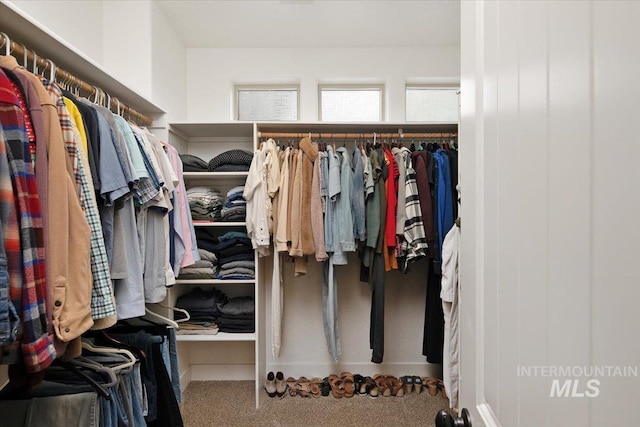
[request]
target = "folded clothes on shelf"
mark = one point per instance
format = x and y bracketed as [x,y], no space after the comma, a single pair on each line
[191,163]
[236,273]
[238,306]
[208,256]
[238,257]
[235,192]
[201,263]
[189,328]
[231,161]
[201,301]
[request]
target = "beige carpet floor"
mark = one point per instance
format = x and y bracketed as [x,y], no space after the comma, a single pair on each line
[231,403]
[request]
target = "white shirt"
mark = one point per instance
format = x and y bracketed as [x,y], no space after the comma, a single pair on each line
[449,294]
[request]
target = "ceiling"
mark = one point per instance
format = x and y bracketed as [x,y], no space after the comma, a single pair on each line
[314,23]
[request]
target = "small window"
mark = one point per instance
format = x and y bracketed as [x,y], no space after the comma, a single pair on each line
[431,104]
[352,104]
[267,103]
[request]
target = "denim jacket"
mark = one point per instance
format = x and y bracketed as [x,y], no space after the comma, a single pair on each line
[344,219]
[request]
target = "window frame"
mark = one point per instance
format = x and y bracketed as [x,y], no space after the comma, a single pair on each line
[354,87]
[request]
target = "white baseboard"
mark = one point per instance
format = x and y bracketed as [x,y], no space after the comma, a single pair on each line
[222,372]
[247,371]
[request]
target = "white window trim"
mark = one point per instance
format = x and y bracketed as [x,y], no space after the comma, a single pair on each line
[353,87]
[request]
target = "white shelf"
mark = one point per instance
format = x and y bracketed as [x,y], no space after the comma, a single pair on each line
[213,281]
[219,337]
[206,130]
[197,223]
[208,175]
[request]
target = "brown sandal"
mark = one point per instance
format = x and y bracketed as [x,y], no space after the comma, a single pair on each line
[381,383]
[348,384]
[336,385]
[431,384]
[292,386]
[314,387]
[395,385]
[303,387]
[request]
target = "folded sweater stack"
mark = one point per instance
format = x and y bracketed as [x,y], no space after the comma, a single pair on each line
[191,163]
[231,161]
[202,306]
[237,315]
[213,308]
[233,252]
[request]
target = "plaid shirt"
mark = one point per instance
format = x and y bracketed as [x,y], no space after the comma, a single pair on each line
[36,345]
[9,224]
[102,301]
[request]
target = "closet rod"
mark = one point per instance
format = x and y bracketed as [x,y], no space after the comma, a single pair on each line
[367,135]
[21,53]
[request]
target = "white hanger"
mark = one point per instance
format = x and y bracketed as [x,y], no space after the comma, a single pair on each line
[179,310]
[156,316]
[52,71]
[7,44]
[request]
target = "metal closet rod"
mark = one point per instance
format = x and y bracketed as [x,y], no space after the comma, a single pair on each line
[21,52]
[359,135]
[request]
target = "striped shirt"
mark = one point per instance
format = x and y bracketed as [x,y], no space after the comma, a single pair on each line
[415,242]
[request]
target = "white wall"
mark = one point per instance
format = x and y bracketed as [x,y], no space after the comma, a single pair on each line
[132,40]
[168,67]
[127,43]
[212,74]
[78,22]
[549,202]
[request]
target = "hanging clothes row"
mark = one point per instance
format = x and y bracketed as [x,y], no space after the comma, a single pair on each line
[127,377]
[391,204]
[94,221]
